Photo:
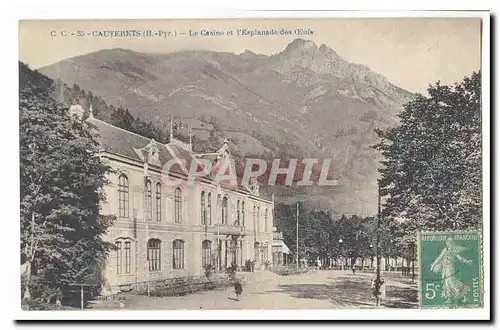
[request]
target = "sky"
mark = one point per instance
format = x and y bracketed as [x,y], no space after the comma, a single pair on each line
[410,52]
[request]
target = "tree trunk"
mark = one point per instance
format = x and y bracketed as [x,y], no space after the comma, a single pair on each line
[26,273]
[413,266]
[29,259]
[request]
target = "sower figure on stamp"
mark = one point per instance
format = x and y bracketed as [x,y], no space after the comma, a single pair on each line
[444,265]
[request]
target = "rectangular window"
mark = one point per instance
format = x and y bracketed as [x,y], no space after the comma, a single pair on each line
[127,257]
[178,248]
[154,254]
[118,258]
[207,253]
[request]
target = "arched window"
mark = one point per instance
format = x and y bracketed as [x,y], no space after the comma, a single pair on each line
[242,213]
[148,198]
[123,197]
[218,209]
[206,258]
[154,254]
[209,208]
[265,221]
[178,205]
[158,202]
[203,209]
[258,218]
[178,256]
[238,213]
[254,215]
[225,209]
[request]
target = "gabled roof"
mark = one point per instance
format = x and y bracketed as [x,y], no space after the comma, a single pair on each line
[118,141]
[121,142]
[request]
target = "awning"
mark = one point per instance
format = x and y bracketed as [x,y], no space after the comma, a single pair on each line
[286,250]
[280,246]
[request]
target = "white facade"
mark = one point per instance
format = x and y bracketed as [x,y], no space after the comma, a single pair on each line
[164,231]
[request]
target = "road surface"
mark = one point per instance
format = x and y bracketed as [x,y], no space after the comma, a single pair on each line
[324,289]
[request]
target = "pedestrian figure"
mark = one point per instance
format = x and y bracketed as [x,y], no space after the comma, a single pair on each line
[382,289]
[238,289]
[353,270]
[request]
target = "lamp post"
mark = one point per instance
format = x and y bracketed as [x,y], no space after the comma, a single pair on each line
[297,238]
[371,255]
[341,250]
[378,282]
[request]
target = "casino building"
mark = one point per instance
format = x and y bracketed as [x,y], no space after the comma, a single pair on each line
[163,230]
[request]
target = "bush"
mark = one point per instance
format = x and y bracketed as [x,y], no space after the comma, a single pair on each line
[40,305]
[285,270]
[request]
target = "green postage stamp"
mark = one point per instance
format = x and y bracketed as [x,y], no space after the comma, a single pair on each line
[450,269]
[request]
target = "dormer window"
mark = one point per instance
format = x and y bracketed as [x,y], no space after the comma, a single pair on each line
[149,153]
[154,154]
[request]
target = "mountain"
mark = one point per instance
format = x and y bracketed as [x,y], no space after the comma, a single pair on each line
[303,101]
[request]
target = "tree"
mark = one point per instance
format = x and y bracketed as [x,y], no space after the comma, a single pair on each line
[431,171]
[319,233]
[357,235]
[62,181]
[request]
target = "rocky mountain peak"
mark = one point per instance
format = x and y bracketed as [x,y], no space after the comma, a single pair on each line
[248,54]
[300,44]
[302,56]
[308,49]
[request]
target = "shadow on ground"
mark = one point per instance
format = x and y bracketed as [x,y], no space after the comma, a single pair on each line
[353,292]
[401,298]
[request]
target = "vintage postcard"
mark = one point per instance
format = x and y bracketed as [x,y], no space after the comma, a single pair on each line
[329,163]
